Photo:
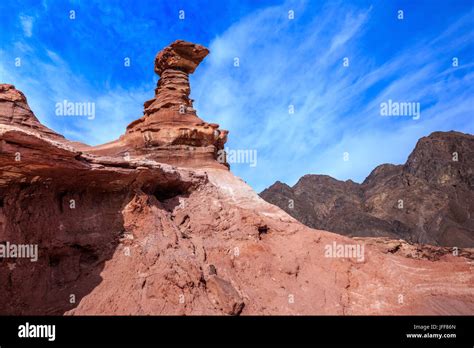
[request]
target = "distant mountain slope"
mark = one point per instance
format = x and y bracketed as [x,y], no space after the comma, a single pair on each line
[111,230]
[429,199]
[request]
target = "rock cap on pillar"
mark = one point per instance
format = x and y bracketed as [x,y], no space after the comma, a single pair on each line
[180,55]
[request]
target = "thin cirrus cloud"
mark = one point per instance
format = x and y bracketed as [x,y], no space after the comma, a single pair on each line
[337,108]
[55,82]
[27,25]
[282,62]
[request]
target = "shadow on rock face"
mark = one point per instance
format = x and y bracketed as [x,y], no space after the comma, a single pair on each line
[75,219]
[76,230]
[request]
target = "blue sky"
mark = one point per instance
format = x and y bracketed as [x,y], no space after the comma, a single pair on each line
[283,62]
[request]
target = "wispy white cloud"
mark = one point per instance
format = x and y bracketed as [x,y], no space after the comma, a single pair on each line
[282,62]
[337,108]
[27,25]
[55,82]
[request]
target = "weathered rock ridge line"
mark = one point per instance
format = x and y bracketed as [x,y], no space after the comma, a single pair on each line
[133,235]
[429,199]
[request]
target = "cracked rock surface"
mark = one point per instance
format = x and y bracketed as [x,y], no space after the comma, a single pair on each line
[139,236]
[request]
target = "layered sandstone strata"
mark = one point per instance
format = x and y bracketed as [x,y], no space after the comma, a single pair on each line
[14,110]
[170,130]
[132,235]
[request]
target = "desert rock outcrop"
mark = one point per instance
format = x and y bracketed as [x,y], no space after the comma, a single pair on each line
[170,130]
[135,235]
[15,111]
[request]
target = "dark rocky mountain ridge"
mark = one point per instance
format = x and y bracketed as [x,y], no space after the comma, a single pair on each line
[153,224]
[429,199]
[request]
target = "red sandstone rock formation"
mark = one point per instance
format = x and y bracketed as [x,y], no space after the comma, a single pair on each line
[170,130]
[136,236]
[14,111]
